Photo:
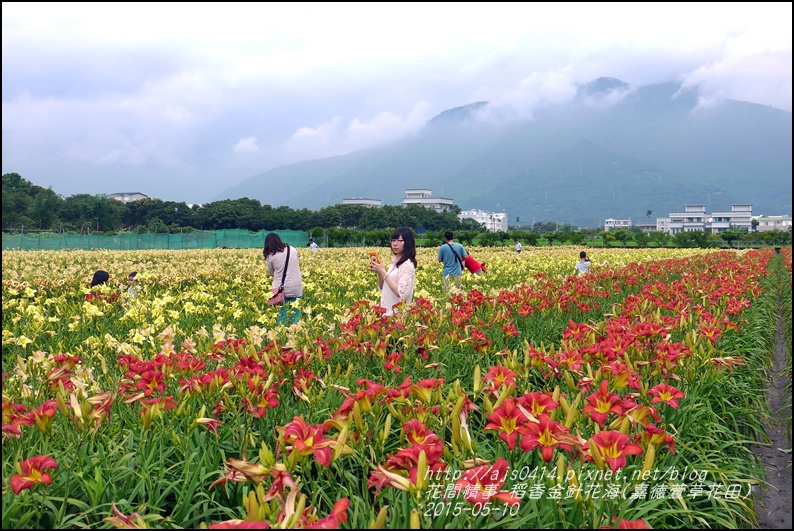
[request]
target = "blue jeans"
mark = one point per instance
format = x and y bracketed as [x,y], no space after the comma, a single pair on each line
[288,314]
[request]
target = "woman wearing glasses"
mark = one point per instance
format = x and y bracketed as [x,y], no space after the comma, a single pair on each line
[397,283]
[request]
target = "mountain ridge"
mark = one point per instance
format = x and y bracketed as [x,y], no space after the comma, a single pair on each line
[614,151]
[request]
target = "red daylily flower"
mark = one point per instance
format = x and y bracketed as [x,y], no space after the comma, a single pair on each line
[391,362]
[666,393]
[511,330]
[712,333]
[482,484]
[12,411]
[602,403]
[42,416]
[424,388]
[548,435]
[613,446]
[479,340]
[499,376]
[575,330]
[307,440]
[507,419]
[120,521]
[332,521]
[537,403]
[236,523]
[654,435]
[627,524]
[31,473]
[151,381]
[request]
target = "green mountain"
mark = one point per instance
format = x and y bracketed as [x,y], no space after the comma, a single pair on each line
[613,152]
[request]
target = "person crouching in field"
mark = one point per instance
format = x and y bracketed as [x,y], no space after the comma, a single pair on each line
[473,266]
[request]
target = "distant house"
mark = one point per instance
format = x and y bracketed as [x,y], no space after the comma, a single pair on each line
[363,201]
[493,221]
[424,197]
[766,223]
[127,197]
[646,226]
[694,218]
[614,224]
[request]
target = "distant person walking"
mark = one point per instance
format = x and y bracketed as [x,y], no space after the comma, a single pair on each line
[396,284]
[276,255]
[312,245]
[451,254]
[583,265]
[518,246]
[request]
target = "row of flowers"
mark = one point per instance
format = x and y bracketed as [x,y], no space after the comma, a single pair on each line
[576,394]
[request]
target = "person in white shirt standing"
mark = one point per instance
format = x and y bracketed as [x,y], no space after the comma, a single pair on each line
[397,283]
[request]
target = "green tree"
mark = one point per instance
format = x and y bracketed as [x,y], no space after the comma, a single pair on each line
[731,235]
[642,238]
[606,237]
[623,236]
[660,238]
[45,207]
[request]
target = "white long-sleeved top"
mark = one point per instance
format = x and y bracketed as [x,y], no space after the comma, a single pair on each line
[293,283]
[404,277]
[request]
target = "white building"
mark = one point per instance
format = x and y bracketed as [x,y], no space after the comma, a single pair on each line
[364,201]
[614,224]
[424,197]
[738,217]
[493,221]
[694,218]
[127,197]
[766,223]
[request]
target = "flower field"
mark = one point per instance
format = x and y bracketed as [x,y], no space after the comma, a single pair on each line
[534,398]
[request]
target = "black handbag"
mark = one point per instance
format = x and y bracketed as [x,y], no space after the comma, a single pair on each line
[278,293]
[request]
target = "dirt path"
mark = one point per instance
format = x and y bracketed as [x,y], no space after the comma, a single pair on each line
[773,507]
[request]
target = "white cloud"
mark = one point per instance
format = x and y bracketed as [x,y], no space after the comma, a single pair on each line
[94,91]
[246,145]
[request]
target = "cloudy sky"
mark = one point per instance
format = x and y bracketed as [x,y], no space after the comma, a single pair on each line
[182,101]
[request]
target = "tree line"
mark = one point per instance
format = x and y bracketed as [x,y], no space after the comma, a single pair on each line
[29,207]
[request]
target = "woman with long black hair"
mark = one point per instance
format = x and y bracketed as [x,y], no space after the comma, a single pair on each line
[279,255]
[397,283]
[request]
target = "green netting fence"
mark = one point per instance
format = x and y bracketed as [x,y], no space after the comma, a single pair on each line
[233,239]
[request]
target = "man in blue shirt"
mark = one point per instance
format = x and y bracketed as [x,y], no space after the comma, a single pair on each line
[451,254]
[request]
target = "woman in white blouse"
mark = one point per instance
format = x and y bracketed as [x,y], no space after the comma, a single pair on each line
[397,283]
